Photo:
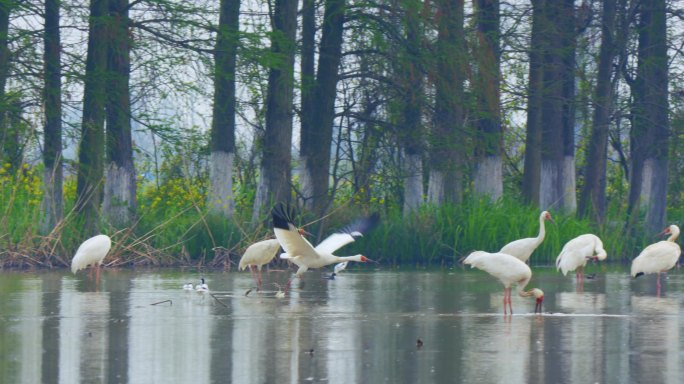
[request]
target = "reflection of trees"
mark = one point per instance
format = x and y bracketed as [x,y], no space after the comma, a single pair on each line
[654,340]
[170,343]
[29,331]
[341,335]
[363,328]
[498,349]
[298,328]
[397,310]
[120,288]
[221,343]
[52,287]
[83,335]
[583,336]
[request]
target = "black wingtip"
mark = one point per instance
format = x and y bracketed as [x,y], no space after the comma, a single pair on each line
[283,214]
[638,274]
[362,225]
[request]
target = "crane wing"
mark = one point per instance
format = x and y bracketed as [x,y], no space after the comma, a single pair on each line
[348,234]
[287,233]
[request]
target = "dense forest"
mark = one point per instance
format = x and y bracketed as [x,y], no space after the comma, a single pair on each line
[174,126]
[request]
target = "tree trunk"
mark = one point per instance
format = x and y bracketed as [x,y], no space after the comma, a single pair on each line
[650,130]
[221,199]
[532,164]
[53,202]
[308,87]
[488,178]
[92,145]
[274,181]
[6,137]
[593,195]
[552,156]
[315,146]
[446,161]
[411,132]
[367,152]
[120,188]
[568,39]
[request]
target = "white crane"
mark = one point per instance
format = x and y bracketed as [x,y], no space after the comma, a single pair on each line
[576,252]
[658,257]
[509,270]
[303,254]
[523,248]
[257,255]
[91,252]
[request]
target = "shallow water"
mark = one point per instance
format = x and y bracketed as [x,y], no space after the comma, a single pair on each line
[362,327]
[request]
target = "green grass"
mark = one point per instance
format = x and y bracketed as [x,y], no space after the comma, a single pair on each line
[173,228]
[438,236]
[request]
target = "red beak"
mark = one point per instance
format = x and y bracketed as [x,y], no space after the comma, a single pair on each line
[665,231]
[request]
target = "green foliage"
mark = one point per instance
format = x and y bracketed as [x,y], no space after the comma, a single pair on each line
[175,228]
[20,197]
[438,236]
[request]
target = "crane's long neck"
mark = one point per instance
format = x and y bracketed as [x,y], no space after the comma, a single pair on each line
[674,235]
[542,230]
[521,288]
[357,258]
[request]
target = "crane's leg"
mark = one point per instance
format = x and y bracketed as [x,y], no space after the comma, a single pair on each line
[251,269]
[259,280]
[507,300]
[289,282]
[97,274]
[658,285]
[504,300]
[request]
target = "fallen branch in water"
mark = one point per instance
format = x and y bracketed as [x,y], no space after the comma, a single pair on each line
[165,301]
[219,301]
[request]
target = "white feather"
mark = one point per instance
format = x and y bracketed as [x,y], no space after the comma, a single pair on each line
[259,254]
[658,257]
[91,252]
[576,251]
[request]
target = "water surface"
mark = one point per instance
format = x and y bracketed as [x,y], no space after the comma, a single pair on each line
[362,327]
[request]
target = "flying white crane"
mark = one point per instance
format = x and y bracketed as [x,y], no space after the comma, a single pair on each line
[658,257]
[509,270]
[523,248]
[303,254]
[260,254]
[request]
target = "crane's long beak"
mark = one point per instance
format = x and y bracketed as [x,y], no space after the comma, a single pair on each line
[538,305]
[367,260]
[303,232]
[664,232]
